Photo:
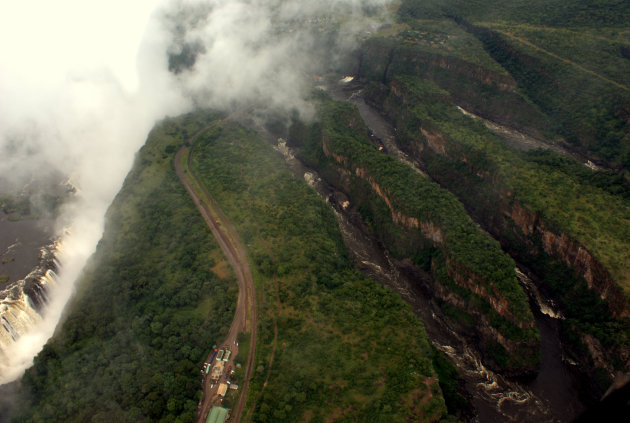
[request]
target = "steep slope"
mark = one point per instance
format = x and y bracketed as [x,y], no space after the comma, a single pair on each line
[566,58]
[157,294]
[567,223]
[416,219]
[332,344]
[152,300]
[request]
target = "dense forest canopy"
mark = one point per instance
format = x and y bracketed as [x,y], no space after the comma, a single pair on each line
[516,117]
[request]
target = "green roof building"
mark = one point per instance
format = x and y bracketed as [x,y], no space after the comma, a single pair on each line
[217,415]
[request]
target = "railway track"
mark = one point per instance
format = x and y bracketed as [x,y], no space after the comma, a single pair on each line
[245,317]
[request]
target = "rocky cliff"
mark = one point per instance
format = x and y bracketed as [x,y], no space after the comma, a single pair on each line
[566,270]
[570,252]
[416,219]
[485,92]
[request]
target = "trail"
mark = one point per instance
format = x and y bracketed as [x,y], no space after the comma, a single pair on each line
[245,316]
[271,356]
[563,59]
[557,29]
[250,415]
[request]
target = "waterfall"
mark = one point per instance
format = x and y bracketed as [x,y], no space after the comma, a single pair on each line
[22,305]
[545,305]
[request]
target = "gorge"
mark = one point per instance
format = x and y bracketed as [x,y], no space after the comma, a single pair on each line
[434,202]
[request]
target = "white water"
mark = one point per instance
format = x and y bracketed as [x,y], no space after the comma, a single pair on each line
[546,306]
[21,318]
[82,83]
[497,399]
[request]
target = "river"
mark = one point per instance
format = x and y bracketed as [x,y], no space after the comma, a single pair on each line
[553,396]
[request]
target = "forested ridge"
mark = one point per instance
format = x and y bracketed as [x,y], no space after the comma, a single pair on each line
[342,345]
[158,294]
[417,219]
[535,74]
[493,180]
[147,309]
[518,117]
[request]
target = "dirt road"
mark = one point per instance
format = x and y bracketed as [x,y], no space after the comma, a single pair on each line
[245,317]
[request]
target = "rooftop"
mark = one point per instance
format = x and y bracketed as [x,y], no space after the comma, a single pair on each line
[217,415]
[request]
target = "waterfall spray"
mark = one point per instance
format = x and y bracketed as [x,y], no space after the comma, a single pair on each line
[22,308]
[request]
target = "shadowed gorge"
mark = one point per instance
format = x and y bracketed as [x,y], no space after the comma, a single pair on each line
[432,198]
[565,222]
[338,334]
[415,218]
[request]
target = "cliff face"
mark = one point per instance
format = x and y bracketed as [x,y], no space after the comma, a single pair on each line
[506,334]
[575,256]
[435,141]
[535,233]
[431,144]
[418,62]
[572,253]
[418,90]
[485,92]
[566,270]
[382,58]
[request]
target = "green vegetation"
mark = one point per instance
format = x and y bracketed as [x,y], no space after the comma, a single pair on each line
[589,109]
[346,348]
[15,204]
[443,37]
[449,382]
[589,206]
[592,207]
[596,50]
[567,66]
[570,61]
[577,13]
[243,351]
[564,79]
[463,71]
[148,306]
[388,192]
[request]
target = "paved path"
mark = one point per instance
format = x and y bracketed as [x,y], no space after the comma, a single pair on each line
[245,317]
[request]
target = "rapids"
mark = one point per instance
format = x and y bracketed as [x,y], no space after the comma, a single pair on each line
[553,396]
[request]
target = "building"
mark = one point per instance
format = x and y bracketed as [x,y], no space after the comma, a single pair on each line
[222,389]
[217,370]
[217,415]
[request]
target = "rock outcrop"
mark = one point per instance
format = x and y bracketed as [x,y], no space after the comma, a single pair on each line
[571,252]
[502,323]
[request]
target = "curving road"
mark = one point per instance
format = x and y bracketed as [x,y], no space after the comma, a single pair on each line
[245,317]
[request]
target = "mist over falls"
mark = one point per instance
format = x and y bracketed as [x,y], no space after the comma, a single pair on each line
[81,85]
[438,133]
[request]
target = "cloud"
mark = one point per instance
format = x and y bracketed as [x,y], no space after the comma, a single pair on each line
[265,52]
[78,99]
[82,83]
